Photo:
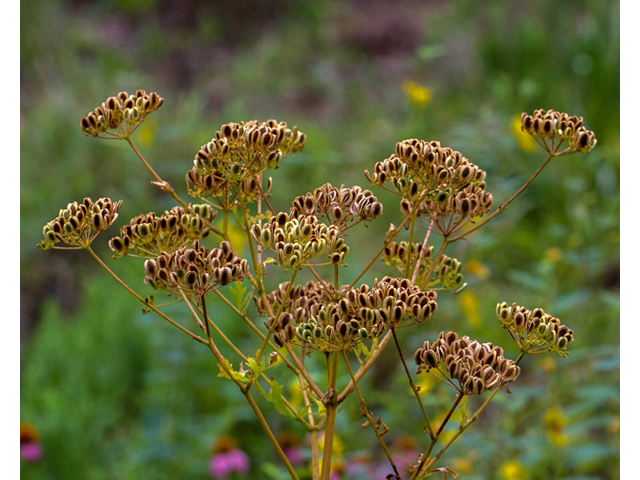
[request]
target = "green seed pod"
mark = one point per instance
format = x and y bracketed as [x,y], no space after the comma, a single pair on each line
[265,237]
[363,333]
[300,331]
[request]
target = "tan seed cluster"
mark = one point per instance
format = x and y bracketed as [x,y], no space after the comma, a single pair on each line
[296,241]
[534,330]
[470,202]
[342,206]
[419,166]
[195,270]
[360,314]
[555,125]
[238,154]
[79,224]
[478,367]
[121,114]
[149,235]
[302,299]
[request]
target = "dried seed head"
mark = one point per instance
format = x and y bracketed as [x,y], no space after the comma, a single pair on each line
[121,114]
[148,235]
[478,367]
[79,224]
[552,125]
[535,331]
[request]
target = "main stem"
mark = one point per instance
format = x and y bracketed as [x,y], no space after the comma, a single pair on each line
[330,416]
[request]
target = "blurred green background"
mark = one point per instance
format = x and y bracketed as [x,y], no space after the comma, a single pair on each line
[121,395]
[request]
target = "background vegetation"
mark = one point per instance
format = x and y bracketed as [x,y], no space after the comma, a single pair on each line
[120,395]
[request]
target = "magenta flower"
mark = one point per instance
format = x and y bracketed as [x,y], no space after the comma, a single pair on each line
[228,458]
[30,448]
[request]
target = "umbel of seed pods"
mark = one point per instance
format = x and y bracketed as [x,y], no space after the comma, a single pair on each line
[339,320]
[121,114]
[149,235]
[533,330]
[549,124]
[447,273]
[237,155]
[343,207]
[296,241]
[477,367]
[433,180]
[79,224]
[195,270]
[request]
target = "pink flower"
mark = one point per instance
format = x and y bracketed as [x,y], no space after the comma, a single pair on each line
[295,455]
[224,463]
[31,451]
[30,448]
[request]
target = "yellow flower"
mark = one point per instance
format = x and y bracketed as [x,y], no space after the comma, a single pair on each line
[513,470]
[478,269]
[469,303]
[426,384]
[554,422]
[417,94]
[553,255]
[525,141]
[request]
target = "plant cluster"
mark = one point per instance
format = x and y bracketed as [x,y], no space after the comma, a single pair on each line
[344,326]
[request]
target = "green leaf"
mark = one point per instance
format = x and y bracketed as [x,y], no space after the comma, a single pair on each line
[237,292]
[257,368]
[275,397]
[240,376]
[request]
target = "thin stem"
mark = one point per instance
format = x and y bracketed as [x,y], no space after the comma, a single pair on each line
[318,277]
[256,330]
[367,414]
[172,322]
[502,206]
[365,367]
[275,318]
[388,239]
[413,385]
[424,246]
[165,186]
[410,246]
[462,428]
[303,371]
[272,438]
[426,461]
[427,277]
